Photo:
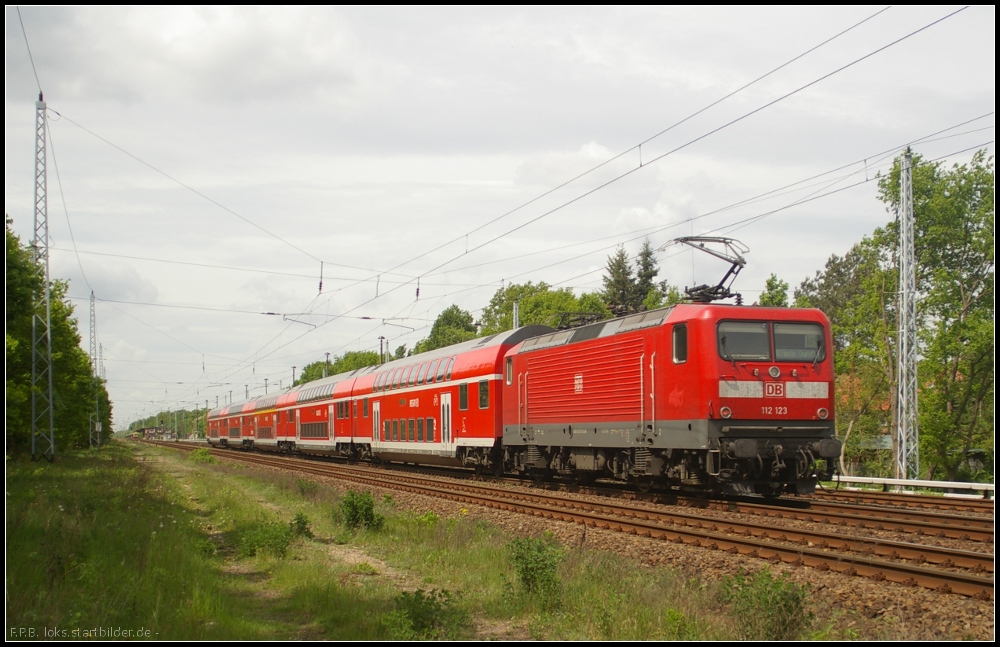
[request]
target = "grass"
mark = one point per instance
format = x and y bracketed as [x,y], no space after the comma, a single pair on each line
[226,552]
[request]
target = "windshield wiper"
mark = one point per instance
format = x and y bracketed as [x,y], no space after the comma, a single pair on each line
[819,349]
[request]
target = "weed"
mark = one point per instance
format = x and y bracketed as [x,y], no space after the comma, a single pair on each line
[301,526]
[767,607]
[256,537]
[357,510]
[428,518]
[306,488]
[364,568]
[535,562]
[423,615]
[202,455]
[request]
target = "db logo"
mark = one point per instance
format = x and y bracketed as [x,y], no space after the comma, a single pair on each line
[774,389]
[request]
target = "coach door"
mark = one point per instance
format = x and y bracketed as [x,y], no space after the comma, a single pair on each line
[446,440]
[376,424]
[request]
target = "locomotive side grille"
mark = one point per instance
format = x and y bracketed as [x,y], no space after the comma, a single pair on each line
[265,433]
[234,432]
[609,386]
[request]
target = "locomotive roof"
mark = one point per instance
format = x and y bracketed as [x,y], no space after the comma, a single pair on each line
[657,317]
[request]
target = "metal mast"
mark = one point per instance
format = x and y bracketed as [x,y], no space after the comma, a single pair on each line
[907,435]
[43,442]
[95,426]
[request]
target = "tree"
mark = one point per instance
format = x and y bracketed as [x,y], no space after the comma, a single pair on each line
[775,293]
[954,247]
[645,273]
[537,305]
[619,284]
[452,326]
[349,361]
[75,390]
[955,228]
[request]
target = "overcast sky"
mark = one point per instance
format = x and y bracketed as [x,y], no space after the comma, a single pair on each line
[209,159]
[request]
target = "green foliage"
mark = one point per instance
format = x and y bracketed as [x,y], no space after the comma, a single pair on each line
[775,293]
[954,248]
[536,560]
[619,283]
[625,292]
[75,390]
[262,537]
[306,488]
[538,304]
[301,526]
[349,361]
[186,422]
[766,607]
[357,510]
[423,615]
[202,455]
[453,326]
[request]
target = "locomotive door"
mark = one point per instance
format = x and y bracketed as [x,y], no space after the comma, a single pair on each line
[446,440]
[376,424]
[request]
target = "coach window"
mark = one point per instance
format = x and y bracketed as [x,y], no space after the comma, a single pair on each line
[395,378]
[385,430]
[441,370]
[422,374]
[463,397]
[366,407]
[432,370]
[484,394]
[451,365]
[395,429]
[411,427]
[680,344]
[420,430]
[355,408]
[509,372]
[430,430]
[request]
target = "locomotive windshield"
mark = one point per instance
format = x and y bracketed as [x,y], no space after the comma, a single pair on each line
[751,341]
[798,342]
[744,340]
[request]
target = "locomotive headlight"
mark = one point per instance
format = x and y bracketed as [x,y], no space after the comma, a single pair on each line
[774,372]
[822,413]
[726,412]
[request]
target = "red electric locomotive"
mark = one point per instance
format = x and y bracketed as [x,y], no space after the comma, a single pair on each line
[705,397]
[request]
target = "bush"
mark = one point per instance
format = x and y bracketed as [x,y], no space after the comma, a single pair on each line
[766,607]
[357,510]
[270,537]
[535,562]
[307,489]
[426,616]
[300,526]
[202,455]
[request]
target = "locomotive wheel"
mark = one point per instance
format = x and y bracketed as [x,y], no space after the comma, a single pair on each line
[539,474]
[644,483]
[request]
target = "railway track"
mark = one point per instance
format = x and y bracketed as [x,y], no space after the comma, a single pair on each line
[952,570]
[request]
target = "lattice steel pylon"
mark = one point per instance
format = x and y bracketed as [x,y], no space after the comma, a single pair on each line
[43,441]
[907,433]
[95,425]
